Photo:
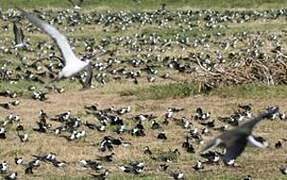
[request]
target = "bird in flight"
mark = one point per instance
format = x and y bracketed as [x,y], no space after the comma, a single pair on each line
[72,64]
[76,5]
[235,140]
[19,37]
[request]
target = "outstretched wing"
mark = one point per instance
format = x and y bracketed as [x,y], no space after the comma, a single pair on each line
[16,34]
[22,36]
[249,125]
[59,38]
[212,144]
[257,141]
[235,149]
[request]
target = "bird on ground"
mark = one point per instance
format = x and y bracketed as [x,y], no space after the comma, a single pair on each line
[171,155]
[5,105]
[248,177]
[31,165]
[163,167]
[212,157]
[8,93]
[155,125]
[100,128]
[198,166]
[11,176]
[72,64]
[18,160]
[106,158]
[58,164]
[133,167]
[235,140]
[147,151]
[23,136]
[188,146]
[8,105]
[101,176]
[162,136]
[177,175]
[3,167]
[2,133]
[283,170]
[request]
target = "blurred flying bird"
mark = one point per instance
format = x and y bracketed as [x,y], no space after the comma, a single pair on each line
[73,65]
[19,36]
[236,139]
[76,5]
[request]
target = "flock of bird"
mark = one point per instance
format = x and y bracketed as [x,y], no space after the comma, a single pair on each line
[148,56]
[116,120]
[201,37]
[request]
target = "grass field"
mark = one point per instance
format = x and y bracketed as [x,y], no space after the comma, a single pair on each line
[148,4]
[152,98]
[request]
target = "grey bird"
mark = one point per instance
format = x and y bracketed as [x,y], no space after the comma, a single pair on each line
[76,5]
[72,64]
[19,37]
[235,140]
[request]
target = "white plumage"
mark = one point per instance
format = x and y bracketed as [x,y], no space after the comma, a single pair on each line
[73,64]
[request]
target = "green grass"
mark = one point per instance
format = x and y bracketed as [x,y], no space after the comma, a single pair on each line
[21,87]
[175,30]
[67,178]
[147,4]
[205,175]
[146,176]
[252,91]
[162,91]
[180,90]
[112,176]
[258,26]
